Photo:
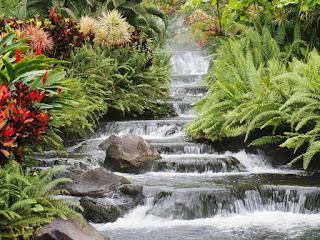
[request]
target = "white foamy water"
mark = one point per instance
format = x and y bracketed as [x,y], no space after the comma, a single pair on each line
[282,221]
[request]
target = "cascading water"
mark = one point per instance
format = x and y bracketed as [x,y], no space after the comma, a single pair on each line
[195,193]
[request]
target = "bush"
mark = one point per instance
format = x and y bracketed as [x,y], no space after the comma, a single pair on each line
[128,77]
[22,124]
[27,202]
[253,92]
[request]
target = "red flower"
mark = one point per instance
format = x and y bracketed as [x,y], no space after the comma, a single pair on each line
[60,89]
[39,50]
[18,55]
[45,77]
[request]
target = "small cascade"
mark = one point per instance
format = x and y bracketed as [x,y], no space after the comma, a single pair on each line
[207,202]
[198,165]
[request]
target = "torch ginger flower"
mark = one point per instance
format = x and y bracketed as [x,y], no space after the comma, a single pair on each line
[45,77]
[18,55]
[39,50]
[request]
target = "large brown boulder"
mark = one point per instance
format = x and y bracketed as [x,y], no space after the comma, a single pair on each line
[129,153]
[60,229]
[94,183]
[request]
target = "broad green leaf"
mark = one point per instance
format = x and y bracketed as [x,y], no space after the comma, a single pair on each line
[9,68]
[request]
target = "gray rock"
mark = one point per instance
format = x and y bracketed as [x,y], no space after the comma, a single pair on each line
[100,210]
[60,229]
[94,183]
[106,143]
[129,153]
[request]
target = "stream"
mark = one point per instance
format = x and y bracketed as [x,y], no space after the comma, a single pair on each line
[195,193]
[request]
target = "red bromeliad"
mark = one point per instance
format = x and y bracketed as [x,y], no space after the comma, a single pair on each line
[21,122]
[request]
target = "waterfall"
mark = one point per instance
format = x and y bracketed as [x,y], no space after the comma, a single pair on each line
[196,193]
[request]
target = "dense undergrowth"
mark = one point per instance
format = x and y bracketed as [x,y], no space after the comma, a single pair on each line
[265,85]
[27,201]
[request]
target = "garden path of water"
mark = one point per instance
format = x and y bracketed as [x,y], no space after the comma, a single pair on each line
[195,193]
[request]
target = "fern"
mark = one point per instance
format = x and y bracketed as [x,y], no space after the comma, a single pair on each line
[29,204]
[251,88]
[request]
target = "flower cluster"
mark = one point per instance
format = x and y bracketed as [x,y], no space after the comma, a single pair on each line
[66,35]
[21,122]
[56,36]
[201,21]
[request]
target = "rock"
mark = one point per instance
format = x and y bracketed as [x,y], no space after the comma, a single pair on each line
[132,190]
[68,172]
[129,153]
[60,229]
[94,183]
[106,143]
[100,210]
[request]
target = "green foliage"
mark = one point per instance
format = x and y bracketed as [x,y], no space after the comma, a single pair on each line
[7,7]
[138,14]
[289,21]
[70,8]
[122,77]
[252,90]
[64,99]
[27,202]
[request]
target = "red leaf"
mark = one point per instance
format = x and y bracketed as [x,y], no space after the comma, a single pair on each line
[28,120]
[5,152]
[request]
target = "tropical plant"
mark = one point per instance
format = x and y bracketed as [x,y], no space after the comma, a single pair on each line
[7,7]
[112,29]
[27,201]
[240,69]
[73,9]
[128,77]
[136,12]
[22,124]
[36,36]
[43,75]
[88,24]
[59,35]
[66,35]
[255,94]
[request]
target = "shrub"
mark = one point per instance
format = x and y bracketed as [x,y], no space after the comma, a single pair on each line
[27,202]
[22,124]
[124,75]
[43,75]
[254,93]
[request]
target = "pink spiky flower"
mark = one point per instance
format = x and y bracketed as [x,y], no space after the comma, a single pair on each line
[35,35]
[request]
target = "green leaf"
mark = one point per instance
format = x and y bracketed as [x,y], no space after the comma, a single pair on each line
[3,77]
[7,39]
[10,69]
[232,3]
[213,2]
[38,208]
